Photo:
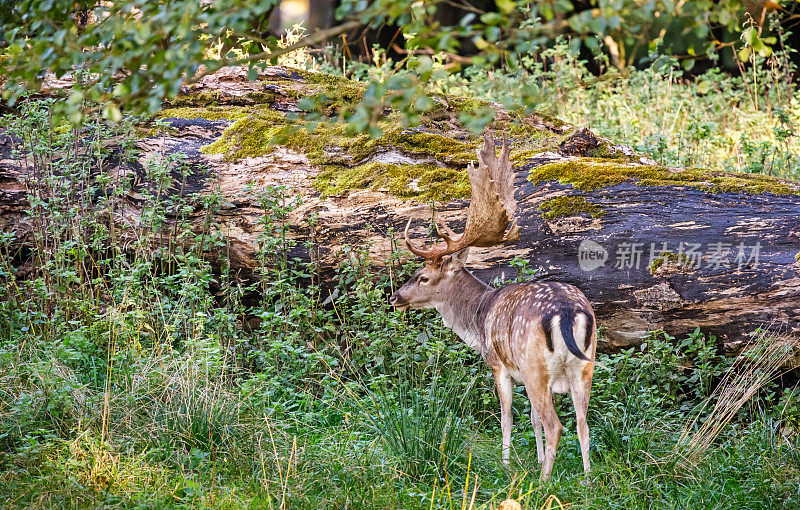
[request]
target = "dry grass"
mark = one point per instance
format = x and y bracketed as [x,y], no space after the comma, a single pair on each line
[753,368]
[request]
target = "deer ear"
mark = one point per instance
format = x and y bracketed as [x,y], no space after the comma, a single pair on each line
[458,259]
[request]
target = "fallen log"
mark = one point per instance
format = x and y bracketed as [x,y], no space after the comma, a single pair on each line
[652,247]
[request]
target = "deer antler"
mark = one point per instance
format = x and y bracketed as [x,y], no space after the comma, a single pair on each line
[491,208]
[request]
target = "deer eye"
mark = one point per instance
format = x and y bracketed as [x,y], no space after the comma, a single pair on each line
[423,279]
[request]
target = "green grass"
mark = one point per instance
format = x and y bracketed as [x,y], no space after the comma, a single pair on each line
[714,121]
[269,463]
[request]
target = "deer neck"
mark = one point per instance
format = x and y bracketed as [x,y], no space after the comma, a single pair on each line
[463,309]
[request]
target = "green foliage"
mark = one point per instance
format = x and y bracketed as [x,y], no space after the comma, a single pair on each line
[133,55]
[661,377]
[717,121]
[631,30]
[141,52]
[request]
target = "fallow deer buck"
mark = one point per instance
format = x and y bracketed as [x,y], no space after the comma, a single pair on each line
[539,334]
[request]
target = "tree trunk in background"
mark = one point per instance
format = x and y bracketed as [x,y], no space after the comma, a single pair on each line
[275,23]
[652,248]
[321,14]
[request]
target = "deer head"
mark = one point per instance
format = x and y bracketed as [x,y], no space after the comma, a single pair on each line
[432,285]
[491,209]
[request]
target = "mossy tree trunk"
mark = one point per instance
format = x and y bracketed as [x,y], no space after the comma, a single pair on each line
[652,247]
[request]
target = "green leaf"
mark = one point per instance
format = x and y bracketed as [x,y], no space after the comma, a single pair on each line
[750,36]
[744,54]
[492,18]
[423,103]
[121,89]
[306,104]
[506,6]
[112,112]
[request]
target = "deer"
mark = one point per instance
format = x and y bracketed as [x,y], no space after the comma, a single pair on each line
[540,334]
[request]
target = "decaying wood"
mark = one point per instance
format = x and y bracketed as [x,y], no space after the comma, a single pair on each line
[677,291]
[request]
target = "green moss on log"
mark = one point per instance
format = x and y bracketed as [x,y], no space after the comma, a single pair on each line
[424,181]
[207,112]
[250,136]
[331,143]
[344,157]
[262,97]
[214,98]
[322,78]
[572,205]
[433,145]
[679,261]
[193,100]
[440,174]
[591,174]
[348,161]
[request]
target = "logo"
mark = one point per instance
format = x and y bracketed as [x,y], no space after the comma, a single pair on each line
[591,255]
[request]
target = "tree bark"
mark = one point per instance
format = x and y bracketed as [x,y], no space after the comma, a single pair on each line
[321,14]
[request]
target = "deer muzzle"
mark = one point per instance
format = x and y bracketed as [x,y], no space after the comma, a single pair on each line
[398,301]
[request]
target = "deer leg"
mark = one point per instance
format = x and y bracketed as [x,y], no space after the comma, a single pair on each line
[505,392]
[580,391]
[542,401]
[537,431]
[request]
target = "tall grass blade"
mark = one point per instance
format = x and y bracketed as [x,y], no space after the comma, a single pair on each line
[752,369]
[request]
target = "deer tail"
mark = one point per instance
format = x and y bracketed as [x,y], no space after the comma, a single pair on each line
[567,320]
